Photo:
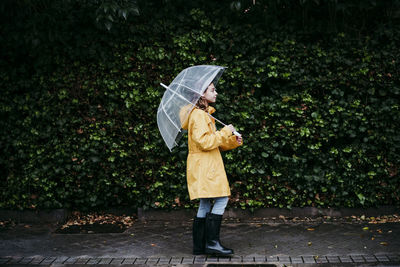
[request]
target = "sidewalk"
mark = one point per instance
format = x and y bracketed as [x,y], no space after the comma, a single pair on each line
[259,242]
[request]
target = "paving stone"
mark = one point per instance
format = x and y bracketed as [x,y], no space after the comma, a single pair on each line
[164,261]
[236,259]
[333,259]
[15,260]
[296,260]
[105,261]
[37,260]
[212,259]
[71,260]
[200,259]
[48,261]
[117,261]
[382,258]
[60,260]
[82,260]
[357,258]
[4,260]
[224,259]
[308,259]
[176,260]
[345,259]
[369,258]
[321,259]
[129,261]
[188,260]
[394,257]
[284,259]
[259,259]
[152,261]
[93,261]
[248,259]
[26,260]
[140,261]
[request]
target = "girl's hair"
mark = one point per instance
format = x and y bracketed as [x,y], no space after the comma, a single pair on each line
[202,104]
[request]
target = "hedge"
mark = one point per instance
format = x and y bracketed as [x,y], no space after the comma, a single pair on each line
[319,111]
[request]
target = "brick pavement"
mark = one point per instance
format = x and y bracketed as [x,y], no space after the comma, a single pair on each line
[392,260]
[164,243]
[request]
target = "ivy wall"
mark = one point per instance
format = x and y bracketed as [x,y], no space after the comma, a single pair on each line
[315,97]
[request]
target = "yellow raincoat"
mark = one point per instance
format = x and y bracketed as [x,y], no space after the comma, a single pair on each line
[206,177]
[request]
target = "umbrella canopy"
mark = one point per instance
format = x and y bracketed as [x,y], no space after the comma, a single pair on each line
[181,97]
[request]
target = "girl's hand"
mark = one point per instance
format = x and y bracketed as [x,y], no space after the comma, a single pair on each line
[230,126]
[239,139]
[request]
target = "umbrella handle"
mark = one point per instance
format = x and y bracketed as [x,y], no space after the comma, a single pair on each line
[237,134]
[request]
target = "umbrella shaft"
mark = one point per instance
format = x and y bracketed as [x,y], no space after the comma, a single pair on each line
[216,119]
[235,132]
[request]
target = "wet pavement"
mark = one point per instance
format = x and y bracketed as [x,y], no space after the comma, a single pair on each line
[255,242]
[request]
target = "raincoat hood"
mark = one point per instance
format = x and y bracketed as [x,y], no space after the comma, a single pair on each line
[184,111]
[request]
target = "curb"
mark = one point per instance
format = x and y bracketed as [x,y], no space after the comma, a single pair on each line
[28,216]
[61,215]
[179,215]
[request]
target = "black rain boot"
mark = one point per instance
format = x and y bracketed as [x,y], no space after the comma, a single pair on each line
[199,238]
[213,245]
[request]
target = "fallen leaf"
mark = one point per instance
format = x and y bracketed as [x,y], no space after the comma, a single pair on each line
[310,229]
[366,228]
[309,243]
[383,243]
[177,200]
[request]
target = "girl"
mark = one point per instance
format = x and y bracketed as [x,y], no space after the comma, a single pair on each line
[206,177]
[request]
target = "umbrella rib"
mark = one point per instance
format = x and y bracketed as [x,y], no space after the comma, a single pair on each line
[166,87]
[172,91]
[169,89]
[169,118]
[187,88]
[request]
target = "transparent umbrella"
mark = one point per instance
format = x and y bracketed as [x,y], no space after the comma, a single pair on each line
[180,98]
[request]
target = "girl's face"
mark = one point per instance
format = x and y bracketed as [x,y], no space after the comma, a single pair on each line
[210,95]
